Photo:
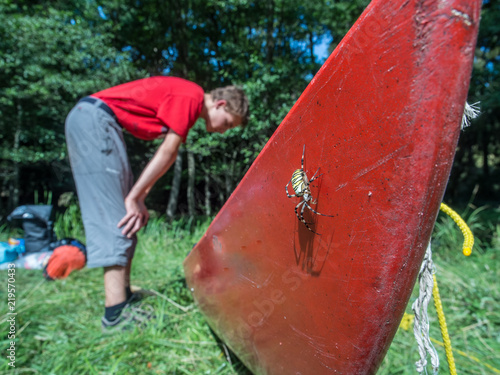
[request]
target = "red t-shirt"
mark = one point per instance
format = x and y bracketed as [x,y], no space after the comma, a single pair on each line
[148,107]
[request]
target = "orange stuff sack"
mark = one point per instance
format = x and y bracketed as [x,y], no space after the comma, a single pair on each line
[63,261]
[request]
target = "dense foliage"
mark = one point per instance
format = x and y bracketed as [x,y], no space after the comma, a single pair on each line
[54,52]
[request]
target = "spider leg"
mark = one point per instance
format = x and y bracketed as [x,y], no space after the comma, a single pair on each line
[314,177]
[303,152]
[316,212]
[296,209]
[286,188]
[301,217]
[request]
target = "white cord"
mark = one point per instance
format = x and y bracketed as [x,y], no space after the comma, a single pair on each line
[471,111]
[421,322]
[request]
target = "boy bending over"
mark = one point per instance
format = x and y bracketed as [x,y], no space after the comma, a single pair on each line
[112,205]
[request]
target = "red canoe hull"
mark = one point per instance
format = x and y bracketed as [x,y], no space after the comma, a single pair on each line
[381,119]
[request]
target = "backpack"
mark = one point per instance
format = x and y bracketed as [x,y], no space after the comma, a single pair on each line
[37,224]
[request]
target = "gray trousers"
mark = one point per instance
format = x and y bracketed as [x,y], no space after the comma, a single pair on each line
[103,178]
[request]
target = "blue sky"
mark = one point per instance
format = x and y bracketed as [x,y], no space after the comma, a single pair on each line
[320,50]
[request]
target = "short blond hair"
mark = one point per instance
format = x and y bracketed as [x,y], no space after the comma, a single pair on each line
[236,101]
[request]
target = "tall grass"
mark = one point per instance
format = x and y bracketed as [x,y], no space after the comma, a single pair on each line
[58,323]
[69,224]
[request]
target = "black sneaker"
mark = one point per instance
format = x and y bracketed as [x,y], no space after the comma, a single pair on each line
[138,295]
[131,317]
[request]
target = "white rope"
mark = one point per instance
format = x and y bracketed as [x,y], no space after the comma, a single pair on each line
[471,111]
[421,323]
[426,284]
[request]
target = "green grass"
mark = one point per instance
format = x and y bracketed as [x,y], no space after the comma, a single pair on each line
[58,323]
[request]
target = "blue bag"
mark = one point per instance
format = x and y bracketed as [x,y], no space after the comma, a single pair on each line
[10,252]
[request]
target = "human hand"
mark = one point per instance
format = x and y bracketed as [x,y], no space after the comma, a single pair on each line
[137,216]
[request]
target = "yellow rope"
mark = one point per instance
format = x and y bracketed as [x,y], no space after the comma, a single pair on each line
[468,237]
[444,328]
[467,250]
[471,357]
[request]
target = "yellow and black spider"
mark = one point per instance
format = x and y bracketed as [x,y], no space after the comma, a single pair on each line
[300,185]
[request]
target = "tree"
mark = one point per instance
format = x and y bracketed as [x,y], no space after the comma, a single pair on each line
[53,58]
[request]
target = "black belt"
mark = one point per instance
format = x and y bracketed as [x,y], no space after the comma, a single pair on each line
[102,106]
